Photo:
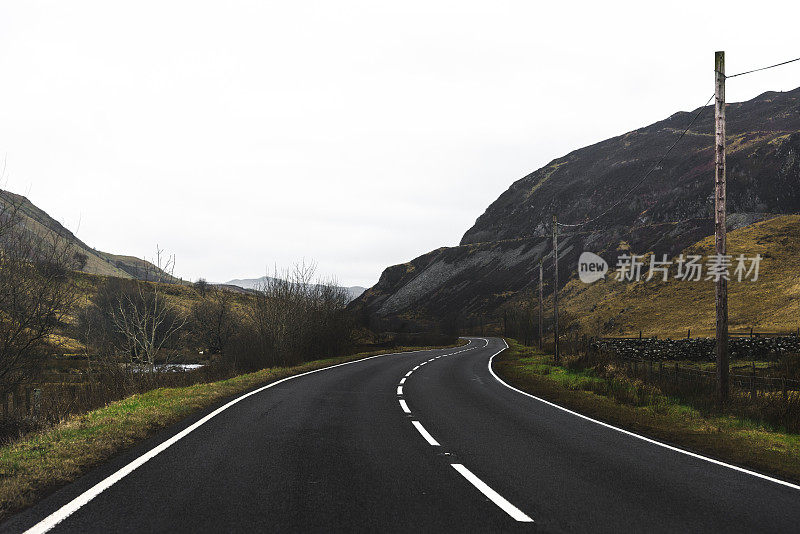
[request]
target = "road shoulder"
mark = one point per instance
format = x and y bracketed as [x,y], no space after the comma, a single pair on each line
[745,444]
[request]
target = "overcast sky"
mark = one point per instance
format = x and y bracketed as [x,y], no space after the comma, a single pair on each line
[242,135]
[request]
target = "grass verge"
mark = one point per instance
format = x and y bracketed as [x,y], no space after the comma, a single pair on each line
[43,461]
[642,408]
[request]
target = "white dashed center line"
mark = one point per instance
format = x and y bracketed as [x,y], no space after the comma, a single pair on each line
[425,434]
[493,496]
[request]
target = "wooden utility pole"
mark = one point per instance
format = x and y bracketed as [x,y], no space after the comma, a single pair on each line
[541,302]
[719,225]
[555,289]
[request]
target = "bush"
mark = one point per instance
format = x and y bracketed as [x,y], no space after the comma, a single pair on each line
[297,319]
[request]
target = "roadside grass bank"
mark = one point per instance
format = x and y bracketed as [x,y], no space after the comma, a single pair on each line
[643,408]
[39,463]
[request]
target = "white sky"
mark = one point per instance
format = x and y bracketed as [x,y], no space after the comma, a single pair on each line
[242,135]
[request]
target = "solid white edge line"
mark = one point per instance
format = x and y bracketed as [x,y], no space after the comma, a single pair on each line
[403,380]
[399,390]
[425,434]
[408,373]
[492,495]
[638,436]
[75,504]
[404,406]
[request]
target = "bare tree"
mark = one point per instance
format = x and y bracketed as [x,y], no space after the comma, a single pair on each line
[214,321]
[37,290]
[201,286]
[135,319]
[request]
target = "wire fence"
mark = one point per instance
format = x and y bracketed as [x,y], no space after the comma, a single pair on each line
[752,384]
[665,362]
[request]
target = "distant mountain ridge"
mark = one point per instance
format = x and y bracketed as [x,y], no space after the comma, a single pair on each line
[34,219]
[497,260]
[254,283]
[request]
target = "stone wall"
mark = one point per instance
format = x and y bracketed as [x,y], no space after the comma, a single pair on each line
[699,349]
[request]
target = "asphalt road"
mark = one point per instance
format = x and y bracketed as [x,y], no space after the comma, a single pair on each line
[337,450]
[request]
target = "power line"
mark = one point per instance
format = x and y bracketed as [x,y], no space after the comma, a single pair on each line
[648,173]
[763,68]
[674,144]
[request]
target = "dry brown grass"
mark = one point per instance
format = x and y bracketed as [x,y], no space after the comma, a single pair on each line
[668,309]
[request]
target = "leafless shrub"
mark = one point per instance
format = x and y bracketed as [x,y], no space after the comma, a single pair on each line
[296,318]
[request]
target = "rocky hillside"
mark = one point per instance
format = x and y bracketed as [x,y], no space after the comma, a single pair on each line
[97,262]
[497,260]
[763,169]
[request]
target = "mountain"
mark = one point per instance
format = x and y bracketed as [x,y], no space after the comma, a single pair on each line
[254,283]
[98,262]
[497,259]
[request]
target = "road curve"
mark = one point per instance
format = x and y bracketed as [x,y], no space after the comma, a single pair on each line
[427,440]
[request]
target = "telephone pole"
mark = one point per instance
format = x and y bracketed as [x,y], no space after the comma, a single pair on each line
[719,225]
[541,302]
[555,289]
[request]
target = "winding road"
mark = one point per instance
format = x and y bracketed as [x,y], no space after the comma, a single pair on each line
[421,441]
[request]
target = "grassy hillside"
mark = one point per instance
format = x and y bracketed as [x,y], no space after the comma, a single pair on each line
[668,309]
[100,263]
